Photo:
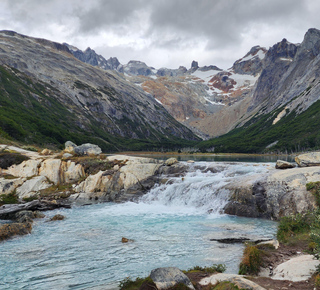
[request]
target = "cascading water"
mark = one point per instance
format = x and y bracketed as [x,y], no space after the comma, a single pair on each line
[170,226]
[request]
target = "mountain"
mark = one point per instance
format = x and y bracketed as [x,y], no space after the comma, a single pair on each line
[283,113]
[49,96]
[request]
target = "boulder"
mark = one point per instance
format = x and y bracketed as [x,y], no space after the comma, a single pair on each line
[27,216]
[296,269]
[57,217]
[9,185]
[308,159]
[171,161]
[91,184]
[284,164]
[46,152]
[87,149]
[66,155]
[27,168]
[50,168]
[238,280]
[165,278]
[32,186]
[69,147]
[7,231]
[273,243]
[71,172]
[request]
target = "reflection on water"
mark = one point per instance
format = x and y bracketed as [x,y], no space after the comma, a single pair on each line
[221,158]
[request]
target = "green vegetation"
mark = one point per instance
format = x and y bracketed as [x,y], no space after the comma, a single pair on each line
[128,284]
[8,159]
[215,268]
[251,261]
[10,198]
[293,133]
[225,286]
[30,113]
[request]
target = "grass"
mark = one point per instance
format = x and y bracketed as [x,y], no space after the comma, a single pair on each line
[215,268]
[9,159]
[10,198]
[128,284]
[251,261]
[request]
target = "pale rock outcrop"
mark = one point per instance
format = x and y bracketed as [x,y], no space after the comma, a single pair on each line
[238,280]
[92,183]
[71,172]
[87,149]
[7,186]
[132,159]
[27,168]
[135,173]
[69,147]
[166,278]
[32,186]
[276,194]
[281,164]
[296,269]
[50,168]
[308,159]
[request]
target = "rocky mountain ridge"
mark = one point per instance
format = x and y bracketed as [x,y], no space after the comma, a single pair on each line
[100,103]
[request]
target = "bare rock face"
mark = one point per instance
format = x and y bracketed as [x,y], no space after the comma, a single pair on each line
[9,185]
[32,186]
[308,159]
[27,168]
[166,278]
[50,168]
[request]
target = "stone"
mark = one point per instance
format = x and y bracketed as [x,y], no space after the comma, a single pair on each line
[190,161]
[308,159]
[87,149]
[46,152]
[32,186]
[284,164]
[8,231]
[66,155]
[69,147]
[171,161]
[27,168]
[238,280]
[9,185]
[27,216]
[274,243]
[90,184]
[126,240]
[71,172]
[57,217]
[50,168]
[165,278]
[296,269]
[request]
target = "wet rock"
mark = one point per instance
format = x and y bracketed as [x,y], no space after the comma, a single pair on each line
[126,240]
[284,164]
[57,217]
[8,231]
[165,278]
[27,216]
[308,159]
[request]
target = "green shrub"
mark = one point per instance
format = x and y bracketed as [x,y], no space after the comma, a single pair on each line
[225,286]
[8,159]
[314,188]
[128,284]
[215,268]
[10,198]
[251,261]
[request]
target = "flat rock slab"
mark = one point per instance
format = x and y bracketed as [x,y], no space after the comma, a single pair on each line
[238,280]
[296,269]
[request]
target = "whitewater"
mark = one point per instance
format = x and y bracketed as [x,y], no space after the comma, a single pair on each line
[170,226]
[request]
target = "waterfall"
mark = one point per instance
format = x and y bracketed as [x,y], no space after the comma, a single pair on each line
[202,187]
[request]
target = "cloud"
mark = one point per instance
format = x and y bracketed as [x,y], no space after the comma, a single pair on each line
[164,32]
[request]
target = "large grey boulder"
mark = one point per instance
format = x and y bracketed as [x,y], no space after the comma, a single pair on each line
[308,159]
[69,147]
[165,278]
[87,149]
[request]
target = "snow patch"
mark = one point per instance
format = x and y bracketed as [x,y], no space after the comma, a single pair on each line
[205,75]
[286,59]
[280,116]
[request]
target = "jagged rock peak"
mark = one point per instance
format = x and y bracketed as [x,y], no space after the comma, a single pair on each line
[311,41]
[136,67]
[283,49]
[194,65]
[172,72]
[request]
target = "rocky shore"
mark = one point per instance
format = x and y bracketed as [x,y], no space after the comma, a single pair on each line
[83,175]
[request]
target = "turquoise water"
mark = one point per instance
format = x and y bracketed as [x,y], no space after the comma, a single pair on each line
[85,251]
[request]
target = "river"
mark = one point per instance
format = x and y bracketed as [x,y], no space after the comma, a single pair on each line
[170,226]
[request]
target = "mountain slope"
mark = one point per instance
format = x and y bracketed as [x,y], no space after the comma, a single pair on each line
[97,102]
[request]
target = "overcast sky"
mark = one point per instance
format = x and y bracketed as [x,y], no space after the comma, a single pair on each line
[164,33]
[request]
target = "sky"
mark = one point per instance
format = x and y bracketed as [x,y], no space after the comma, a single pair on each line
[164,33]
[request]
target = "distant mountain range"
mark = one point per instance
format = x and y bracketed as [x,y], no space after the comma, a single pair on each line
[267,101]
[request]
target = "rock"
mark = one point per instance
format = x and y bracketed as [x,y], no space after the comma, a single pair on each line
[69,147]
[27,216]
[165,278]
[274,243]
[71,172]
[190,161]
[87,149]
[67,155]
[298,268]
[238,280]
[308,159]
[9,185]
[57,217]
[32,186]
[284,164]
[171,161]
[91,184]
[9,230]
[50,168]
[25,169]
[125,240]
[46,152]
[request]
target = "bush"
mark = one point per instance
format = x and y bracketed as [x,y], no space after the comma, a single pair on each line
[128,284]
[215,268]
[251,261]
[9,159]
[225,286]
[10,198]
